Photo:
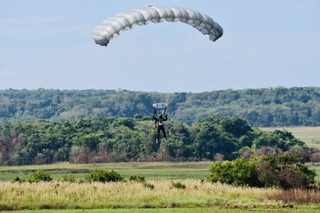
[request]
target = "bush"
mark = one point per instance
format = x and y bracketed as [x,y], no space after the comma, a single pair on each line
[148,185]
[286,171]
[39,176]
[101,175]
[178,185]
[136,178]
[240,172]
[68,178]
[17,179]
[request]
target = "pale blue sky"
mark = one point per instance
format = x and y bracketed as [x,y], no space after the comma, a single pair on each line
[268,43]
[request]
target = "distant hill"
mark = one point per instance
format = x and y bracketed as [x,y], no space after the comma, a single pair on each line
[296,106]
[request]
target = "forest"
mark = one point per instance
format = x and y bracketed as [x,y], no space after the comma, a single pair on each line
[266,107]
[133,139]
[92,126]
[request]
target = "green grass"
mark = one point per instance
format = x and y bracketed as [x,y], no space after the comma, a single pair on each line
[133,195]
[151,170]
[210,198]
[300,209]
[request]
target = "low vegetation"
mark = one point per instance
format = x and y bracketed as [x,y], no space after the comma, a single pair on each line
[106,189]
[102,175]
[154,194]
[285,171]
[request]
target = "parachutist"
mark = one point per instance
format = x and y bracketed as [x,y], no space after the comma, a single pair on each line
[159,123]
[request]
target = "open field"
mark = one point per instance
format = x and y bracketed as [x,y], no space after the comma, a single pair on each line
[310,135]
[199,196]
[134,195]
[150,170]
[299,209]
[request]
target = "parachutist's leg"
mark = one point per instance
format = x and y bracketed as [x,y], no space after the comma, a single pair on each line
[157,136]
[164,133]
[158,132]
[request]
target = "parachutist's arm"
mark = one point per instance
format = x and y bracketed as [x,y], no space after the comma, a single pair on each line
[154,114]
[154,117]
[165,114]
[165,111]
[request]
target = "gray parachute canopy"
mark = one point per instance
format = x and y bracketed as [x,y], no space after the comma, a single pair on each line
[115,25]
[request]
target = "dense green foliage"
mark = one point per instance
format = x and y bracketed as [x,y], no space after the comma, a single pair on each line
[178,185]
[35,177]
[240,172]
[285,171]
[297,106]
[97,175]
[102,175]
[133,139]
[39,176]
[137,178]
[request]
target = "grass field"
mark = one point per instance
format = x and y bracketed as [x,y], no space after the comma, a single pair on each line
[199,196]
[150,170]
[154,170]
[133,197]
[300,209]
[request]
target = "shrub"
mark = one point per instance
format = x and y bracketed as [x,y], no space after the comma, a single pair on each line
[286,171]
[68,178]
[39,176]
[17,179]
[101,175]
[240,172]
[178,185]
[148,185]
[137,178]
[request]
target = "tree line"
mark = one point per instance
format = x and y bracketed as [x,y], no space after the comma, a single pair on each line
[296,106]
[113,139]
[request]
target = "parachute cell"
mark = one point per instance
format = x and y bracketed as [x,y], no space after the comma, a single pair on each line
[115,25]
[159,105]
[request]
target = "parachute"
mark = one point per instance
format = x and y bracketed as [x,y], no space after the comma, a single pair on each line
[115,25]
[159,105]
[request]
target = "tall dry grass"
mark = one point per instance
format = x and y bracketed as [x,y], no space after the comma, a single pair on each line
[63,195]
[298,196]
